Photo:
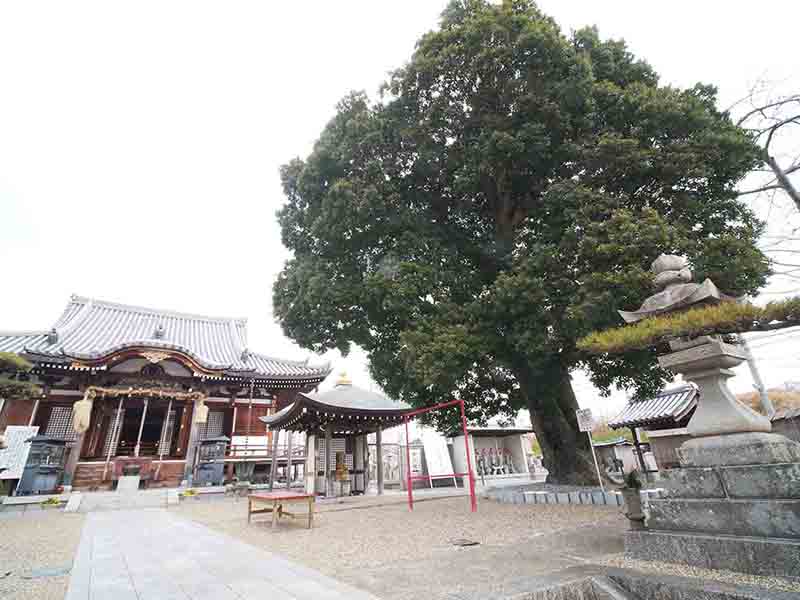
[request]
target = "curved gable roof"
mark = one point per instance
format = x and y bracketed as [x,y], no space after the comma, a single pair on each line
[91,329]
[669,407]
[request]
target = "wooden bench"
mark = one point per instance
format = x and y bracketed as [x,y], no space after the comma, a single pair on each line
[274,502]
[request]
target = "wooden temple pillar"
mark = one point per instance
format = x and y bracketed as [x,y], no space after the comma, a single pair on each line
[310,469]
[187,438]
[359,481]
[379,460]
[328,444]
[137,447]
[274,464]
[638,448]
[289,464]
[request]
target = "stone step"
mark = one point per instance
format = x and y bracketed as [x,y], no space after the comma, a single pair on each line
[773,481]
[757,518]
[101,501]
[756,556]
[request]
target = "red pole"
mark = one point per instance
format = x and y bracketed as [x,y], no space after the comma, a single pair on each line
[473,503]
[408,467]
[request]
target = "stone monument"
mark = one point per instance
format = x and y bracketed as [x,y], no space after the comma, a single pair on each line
[734,503]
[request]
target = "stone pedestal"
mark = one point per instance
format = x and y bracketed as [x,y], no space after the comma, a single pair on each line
[735,502]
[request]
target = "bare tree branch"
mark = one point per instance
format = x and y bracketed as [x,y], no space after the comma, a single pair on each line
[761,189]
[760,109]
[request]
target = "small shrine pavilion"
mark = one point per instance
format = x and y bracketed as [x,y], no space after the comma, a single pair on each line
[134,387]
[664,418]
[337,423]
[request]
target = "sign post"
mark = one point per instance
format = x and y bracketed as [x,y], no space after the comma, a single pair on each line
[586,423]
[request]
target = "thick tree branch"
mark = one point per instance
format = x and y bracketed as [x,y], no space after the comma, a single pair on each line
[784,181]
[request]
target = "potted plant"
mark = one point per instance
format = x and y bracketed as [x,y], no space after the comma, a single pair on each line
[631,492]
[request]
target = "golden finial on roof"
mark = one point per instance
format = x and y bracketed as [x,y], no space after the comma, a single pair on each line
[344,379]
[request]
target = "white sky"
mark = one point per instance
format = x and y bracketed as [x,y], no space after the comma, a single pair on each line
[140,142]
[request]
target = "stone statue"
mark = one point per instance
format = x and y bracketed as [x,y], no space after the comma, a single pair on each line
[673,280]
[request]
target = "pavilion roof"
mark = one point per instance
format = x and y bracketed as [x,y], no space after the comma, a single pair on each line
[668,409]
[91,330]
[347,407]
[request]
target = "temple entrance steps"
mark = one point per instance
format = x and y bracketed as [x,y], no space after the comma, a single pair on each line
[88,475]
[102,501]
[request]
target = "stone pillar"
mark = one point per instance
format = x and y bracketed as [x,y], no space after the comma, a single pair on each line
[725,431]
[379,460]
[310,469]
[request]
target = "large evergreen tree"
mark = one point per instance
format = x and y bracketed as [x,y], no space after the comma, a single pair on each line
[506,196]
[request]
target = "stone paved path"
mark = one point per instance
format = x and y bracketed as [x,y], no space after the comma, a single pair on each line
[153,554]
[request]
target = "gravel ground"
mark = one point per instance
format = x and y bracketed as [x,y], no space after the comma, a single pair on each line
[662,568]
[46,540]
[392,552]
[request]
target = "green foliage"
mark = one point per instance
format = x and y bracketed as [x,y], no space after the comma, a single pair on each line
[12,366]
[502,200]
[13,362]
[725,318]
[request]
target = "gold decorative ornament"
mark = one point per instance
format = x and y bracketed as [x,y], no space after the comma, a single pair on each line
[155,357]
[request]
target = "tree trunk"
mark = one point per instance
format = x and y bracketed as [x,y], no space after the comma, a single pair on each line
[565,450]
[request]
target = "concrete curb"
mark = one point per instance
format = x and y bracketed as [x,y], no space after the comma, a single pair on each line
[594,498]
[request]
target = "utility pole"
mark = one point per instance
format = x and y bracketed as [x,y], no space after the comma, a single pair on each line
[766,403]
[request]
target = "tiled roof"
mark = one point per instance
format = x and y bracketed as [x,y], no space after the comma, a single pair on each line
[343,399]
[668,407]
[91,329]
[346,395]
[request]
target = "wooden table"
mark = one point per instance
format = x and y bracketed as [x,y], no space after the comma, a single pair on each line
[275,502]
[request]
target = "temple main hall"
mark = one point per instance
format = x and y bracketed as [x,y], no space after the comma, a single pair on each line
[130,387]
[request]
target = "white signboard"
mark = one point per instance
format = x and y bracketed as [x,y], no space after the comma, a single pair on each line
[14,457]
[437,457]
[585,420]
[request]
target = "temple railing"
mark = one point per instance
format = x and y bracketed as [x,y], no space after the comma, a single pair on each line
[262,450]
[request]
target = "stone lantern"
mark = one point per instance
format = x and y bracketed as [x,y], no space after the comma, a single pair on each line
[734,503]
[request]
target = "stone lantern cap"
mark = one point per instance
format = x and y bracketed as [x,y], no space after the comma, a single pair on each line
[673,280]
